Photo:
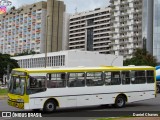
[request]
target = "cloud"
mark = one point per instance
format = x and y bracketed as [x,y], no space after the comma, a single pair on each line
[71,5]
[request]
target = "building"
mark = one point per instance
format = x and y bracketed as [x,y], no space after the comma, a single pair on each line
[151,27]
[55,15]
[65,38]
[28,27]
[23,29]
[156,29]
[90,30]
[71,58]
[126,27]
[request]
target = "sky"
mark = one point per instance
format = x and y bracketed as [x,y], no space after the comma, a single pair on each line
[71,5]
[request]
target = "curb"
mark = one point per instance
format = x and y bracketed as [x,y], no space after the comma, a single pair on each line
[3,97]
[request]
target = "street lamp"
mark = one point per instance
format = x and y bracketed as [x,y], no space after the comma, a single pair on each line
[45,62]
[114,60]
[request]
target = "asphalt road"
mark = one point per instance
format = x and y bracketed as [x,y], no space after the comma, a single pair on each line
[151,106]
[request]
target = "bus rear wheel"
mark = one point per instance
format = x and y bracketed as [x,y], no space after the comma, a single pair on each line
[49,106]
[120,101]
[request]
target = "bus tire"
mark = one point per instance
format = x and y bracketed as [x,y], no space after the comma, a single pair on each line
[49,106]
[120,101]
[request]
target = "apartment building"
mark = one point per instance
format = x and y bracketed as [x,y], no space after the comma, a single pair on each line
[90,30]
[23,29]
[32,27]
[126,27]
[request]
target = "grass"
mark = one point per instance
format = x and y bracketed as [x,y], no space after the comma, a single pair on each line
[3,91]
[108,119]
[116,118]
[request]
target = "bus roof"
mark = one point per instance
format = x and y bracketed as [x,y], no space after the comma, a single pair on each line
[78,69]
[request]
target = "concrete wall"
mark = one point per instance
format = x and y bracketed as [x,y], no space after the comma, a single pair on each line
[65,38]
[83,58]
[55,11]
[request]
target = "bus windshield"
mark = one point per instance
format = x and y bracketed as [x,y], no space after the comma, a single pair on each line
[17,85]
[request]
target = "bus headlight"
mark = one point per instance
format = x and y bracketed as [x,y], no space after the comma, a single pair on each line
[20,100]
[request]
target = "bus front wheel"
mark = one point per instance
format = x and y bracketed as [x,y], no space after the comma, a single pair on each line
[120,101]
[49,106]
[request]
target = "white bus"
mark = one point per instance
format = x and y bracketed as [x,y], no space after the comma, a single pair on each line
[48,89]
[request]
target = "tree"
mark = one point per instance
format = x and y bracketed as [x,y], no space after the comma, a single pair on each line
[141,57]
[5,61]
[13,8]
[26,52]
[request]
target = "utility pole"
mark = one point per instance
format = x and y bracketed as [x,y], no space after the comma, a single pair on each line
[114,60]
[8,67]
[45,64]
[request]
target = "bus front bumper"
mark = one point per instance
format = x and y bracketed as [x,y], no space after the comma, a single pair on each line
[18,104]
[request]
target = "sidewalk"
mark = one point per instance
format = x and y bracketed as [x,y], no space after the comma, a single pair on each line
[3,97]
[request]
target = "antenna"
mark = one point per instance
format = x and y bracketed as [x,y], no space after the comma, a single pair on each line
[76,10]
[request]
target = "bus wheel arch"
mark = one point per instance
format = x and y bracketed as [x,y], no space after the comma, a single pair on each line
[120,101]
[50,105]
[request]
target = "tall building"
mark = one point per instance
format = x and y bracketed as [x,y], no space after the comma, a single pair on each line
[55,14]
[23,29]
[156,29]
[90,30]
[28,28]
[151,27]
[126,27]
[65,31]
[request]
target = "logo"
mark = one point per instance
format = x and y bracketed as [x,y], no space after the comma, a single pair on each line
[3,5]
[2,9]
[20,114]
[6,114]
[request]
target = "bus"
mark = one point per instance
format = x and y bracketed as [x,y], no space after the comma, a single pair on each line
[158,78]
[50,88]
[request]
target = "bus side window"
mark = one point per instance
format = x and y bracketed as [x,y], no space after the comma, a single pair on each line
[107,78]
[150,76]
[132,75]
[138,77]
[56,80]
[115,78]
[76,80]
[125,76]
[94,79]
